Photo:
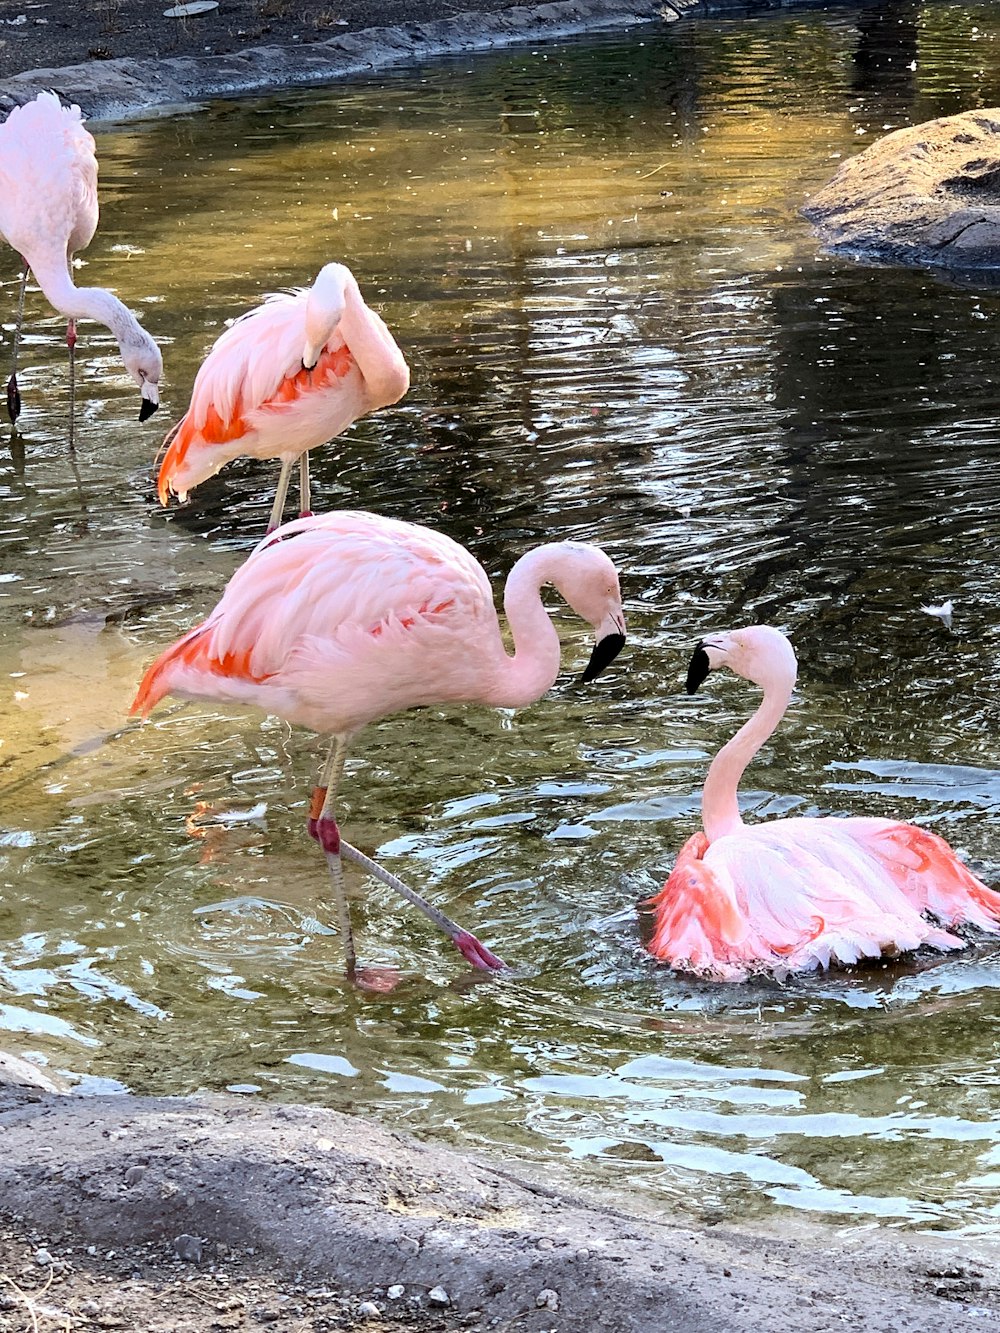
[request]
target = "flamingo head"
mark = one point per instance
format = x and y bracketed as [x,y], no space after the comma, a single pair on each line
[588,581]
[758,653]
[144,363]
[325,304]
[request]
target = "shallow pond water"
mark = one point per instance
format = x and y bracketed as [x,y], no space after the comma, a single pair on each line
[619,330]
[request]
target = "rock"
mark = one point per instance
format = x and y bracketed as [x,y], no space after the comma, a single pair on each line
[438,1296]
[369,1310]
[395,1291]
[134,1174]
[547,1299]
[926,195]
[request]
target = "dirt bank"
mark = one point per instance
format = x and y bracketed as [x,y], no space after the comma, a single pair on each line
[118,58]
[220,1213]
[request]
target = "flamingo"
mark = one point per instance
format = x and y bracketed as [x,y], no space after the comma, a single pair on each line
[286,376]
[48,211]
[798,894]
[337,620]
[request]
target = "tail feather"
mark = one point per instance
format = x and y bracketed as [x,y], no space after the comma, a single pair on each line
[159,678]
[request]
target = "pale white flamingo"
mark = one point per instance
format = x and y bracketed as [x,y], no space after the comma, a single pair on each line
[797,894]
[48,211]
[286,376]
[338,620]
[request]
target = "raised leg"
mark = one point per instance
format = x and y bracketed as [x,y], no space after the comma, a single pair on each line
[323,827]
[13,392]
[71,344]
[471,949]
[305,494]
[280,495]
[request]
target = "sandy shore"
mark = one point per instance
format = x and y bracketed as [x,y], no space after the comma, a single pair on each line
[222,1213]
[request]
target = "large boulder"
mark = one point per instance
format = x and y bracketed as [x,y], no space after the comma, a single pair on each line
[925,195]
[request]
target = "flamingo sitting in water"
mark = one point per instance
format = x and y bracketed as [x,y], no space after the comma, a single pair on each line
[286,376]
[797,894]
[338,620]
[48,211]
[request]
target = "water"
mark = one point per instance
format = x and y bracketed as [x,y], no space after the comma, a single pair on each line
[619,330]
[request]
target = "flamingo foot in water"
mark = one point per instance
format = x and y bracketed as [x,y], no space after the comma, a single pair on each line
[13,400]
[476,953]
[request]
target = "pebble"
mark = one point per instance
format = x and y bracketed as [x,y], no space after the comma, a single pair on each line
[134,1174]
[42,1256]
[438,1296]
[582,1255]
[188,1248]
[369,1310]
[408,1245]
[395,1291]
[547,1300]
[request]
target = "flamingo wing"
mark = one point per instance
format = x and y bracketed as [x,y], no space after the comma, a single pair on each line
[337,619]
[929,873]
[48,180]
[794,895]
[251,380]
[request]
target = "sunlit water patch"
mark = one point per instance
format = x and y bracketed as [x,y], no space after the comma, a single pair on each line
[621,331]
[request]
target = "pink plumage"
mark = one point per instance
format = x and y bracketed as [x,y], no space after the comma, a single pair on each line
[49,211]
[797,894]
[338,620]
[288,375]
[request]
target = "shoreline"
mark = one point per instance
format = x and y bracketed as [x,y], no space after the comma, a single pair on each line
[303,1199]
[128,87]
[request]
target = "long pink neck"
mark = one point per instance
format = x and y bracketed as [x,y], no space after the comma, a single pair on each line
[386,374]
[95,303]
[720,810]
[523,678]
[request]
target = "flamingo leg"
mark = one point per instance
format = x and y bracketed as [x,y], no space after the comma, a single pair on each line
[305,494]
[471,949]
[13,392]
[323,827]
[71,344]
[280,495]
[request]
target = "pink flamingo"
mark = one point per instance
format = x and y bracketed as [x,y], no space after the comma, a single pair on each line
[48,211]
[285,377]
[341,619]
[797,894]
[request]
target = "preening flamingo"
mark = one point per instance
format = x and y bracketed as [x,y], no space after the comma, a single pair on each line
[48,211]
[797,894]
[338,620]
[285,377]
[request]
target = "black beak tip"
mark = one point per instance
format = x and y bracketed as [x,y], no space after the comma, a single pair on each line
[146,409]
[698,669]
[603,655]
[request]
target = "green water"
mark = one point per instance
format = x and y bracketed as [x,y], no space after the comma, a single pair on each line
[619,330]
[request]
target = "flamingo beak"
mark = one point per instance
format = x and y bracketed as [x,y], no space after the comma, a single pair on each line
[146,409]
[698,668]
[606,649]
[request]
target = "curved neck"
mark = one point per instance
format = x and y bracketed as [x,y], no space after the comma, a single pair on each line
[532,670]
[720,811]
[95,303]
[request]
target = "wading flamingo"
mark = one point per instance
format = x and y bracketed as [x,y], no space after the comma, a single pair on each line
[286,376]
[797,894]
[341,619]
[48,211]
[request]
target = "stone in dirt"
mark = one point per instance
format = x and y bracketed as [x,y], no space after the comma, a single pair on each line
[928,195]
